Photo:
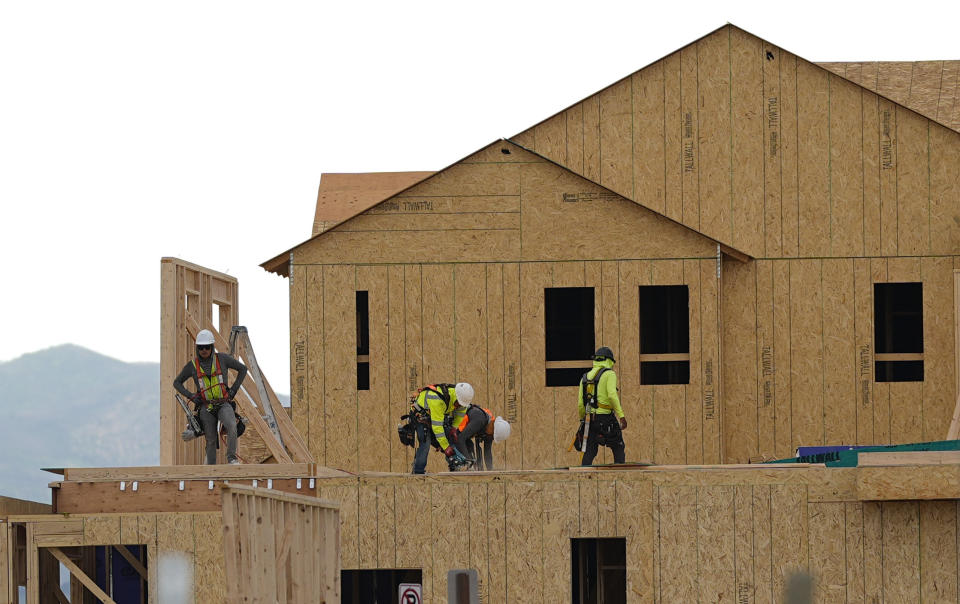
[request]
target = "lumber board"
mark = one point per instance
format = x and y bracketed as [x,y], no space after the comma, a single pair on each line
[739,359]
[690,136]
[79,574]
[194,472]
[673,148]
[870,158]
[716,208]
[913,180]
[314,365]
[765,354]
[746,142]
[524,548]
[908,482]
[573,123]
[790,141]
[813,159]
[401,457]
[156,496]
[839,353]
[537,449]
[616,138]
[648,149]
[846,168]
[772,151]
[944,156]
[938,550]
[826,520]
[513,394]
[379,422]
[339,351]
[715,538]
[906,423]
[888,115]
[299,351]
[591,138]
[901,556]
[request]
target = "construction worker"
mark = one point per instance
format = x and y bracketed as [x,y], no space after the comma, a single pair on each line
[434,407]
[598,397]
[213,399]
[479,429]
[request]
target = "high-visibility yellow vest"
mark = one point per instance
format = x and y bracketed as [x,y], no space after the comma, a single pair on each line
[210,386]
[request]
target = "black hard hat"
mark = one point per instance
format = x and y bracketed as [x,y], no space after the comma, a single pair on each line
[604,353]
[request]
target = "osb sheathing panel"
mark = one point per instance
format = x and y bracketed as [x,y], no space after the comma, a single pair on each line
[927,87]
[766,152]
[690,535]
[798,336]
[492,209]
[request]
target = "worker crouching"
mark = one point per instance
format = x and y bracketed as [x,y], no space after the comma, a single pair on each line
[477,432]
[432,409]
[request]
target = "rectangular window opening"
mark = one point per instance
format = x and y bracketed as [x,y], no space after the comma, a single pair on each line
[363,341]
[898,332]
[664,334]
[381,585]
[569,333]
[599,570]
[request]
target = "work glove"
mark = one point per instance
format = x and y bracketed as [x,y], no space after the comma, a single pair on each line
[449,451]
[188,434]
[623,423]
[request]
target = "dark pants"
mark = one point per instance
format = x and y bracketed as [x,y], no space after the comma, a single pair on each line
[208,420]
[604,430]
[476,444]
[424,442]
[465,442]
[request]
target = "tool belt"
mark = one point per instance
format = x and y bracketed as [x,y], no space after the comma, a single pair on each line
[407,431]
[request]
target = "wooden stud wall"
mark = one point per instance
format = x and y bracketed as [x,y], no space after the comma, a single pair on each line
[279,547]
[798,336]
[769,153]
[198,536]
[691,535]
[187,291]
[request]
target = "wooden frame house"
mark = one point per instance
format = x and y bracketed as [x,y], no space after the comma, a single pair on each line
[768,245]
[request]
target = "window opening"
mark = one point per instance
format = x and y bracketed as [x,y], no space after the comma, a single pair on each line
[599,570]
[898,332]
[569,333]
[664,334]
[363,341]
[380,586]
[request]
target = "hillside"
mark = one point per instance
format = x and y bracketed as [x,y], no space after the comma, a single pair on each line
[68,406]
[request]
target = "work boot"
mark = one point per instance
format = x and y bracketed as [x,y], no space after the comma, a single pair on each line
[234,462]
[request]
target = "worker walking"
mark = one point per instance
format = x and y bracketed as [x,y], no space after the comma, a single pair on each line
[477,431]
[434,408]
[213,398]
[599,403]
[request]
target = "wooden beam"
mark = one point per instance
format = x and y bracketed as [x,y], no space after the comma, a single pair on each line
[908,482]
[568,364]
[79,574]
[907,458]
[678,356]
[735,254]
[159,496]
[898,356]
[133,560]
[194,472]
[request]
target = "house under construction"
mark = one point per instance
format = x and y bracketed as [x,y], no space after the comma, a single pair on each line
[770,246]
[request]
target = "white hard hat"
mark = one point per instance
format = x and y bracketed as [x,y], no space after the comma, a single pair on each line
[464,394]
[501,429]
[205,337]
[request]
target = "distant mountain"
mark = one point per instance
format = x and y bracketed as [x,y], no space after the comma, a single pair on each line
[71,407]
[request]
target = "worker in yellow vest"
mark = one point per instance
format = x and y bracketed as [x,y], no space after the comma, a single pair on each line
[434,409]
[598,400]
[477,431]
[213,398]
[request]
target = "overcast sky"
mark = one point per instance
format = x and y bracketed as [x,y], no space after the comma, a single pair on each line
[130,130]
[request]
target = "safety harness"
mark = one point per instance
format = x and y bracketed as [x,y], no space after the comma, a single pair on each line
[588,389]
[210,386]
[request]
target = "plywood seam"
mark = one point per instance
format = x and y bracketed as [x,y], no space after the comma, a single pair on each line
[823,366]
[829,162]
[730,106]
